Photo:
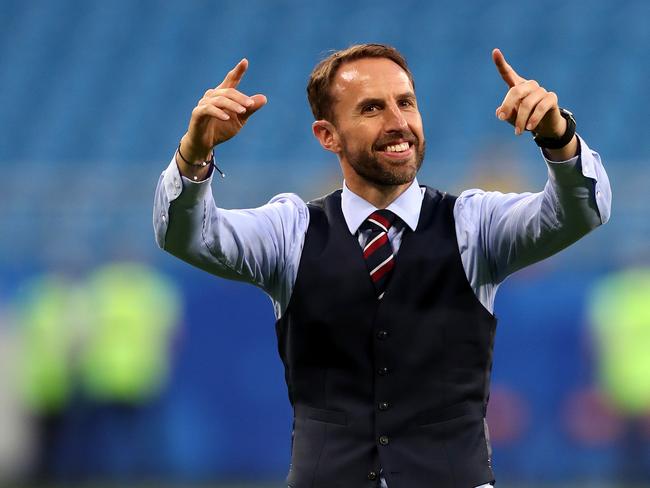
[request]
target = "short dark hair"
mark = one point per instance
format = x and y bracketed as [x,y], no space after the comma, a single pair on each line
[320,80]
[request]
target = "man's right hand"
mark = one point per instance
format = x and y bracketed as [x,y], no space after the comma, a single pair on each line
[218,116]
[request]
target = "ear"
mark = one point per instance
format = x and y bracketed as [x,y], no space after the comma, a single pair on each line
[327,135]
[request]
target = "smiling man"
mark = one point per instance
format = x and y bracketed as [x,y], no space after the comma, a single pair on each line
[384,290]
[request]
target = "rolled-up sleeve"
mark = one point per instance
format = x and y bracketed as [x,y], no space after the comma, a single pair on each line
[500,233]
[259,245]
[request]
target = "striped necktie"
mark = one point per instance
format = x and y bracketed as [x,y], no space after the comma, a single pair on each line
[378,251]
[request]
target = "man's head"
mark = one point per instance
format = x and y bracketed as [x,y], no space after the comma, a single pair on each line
[366,112]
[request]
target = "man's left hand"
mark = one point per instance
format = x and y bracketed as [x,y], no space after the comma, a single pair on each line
[527,105]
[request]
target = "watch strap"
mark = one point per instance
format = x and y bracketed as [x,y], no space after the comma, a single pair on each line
[559,142]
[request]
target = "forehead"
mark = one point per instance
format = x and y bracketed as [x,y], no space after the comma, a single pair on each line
[369,77]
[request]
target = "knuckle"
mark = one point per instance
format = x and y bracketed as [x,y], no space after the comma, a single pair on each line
[527,104]
[543,107]
[532,83]
[234,93]
[520,90]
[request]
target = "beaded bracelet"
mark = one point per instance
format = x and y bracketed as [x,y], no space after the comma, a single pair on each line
[202,163]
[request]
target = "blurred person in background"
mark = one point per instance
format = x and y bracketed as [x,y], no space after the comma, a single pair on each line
[92,351]
[619,313]
[17,438]
[383,291]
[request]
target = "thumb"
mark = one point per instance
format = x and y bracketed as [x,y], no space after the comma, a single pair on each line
[259,101]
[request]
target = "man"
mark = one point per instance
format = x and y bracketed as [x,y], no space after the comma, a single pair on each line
[384,290]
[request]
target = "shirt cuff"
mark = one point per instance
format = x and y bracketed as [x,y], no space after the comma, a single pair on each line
[584,171]
[182,190]
[569,172]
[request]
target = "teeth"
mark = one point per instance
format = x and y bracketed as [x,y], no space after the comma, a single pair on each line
[398,147]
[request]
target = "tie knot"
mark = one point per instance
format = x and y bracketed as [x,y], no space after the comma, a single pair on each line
[379,220]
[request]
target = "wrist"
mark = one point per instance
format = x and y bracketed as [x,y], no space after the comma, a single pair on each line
[557,132]
[194,173]
[571,150]
[192,154]
[564,138]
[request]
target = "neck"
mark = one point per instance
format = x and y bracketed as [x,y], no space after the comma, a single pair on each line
[381,196]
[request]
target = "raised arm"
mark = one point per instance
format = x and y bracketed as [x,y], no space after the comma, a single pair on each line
[258,245]
[501,233]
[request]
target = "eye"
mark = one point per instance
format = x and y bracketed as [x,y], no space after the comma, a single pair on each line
[370,108]
[407,102]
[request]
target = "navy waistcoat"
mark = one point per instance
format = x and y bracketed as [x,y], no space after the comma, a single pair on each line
[400,384]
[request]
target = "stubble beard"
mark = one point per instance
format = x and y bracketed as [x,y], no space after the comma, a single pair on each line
[367,165]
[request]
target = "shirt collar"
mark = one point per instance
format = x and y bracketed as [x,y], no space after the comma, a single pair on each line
[407,206]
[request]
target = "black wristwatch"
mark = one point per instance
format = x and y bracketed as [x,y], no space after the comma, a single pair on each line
[559,142]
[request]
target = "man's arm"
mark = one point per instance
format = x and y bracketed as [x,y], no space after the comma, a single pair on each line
[260,246]
[506,232]
[501,233]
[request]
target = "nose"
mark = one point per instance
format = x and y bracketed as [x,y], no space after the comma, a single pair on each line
[394,118]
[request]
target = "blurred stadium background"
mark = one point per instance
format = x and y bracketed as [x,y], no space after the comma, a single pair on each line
[121,366]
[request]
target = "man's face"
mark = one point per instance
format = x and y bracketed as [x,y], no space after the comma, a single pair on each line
[378,121]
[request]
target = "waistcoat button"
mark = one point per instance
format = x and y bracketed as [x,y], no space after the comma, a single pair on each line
[384,406]
[383,440]
[383,371]
[382,334]
[372,476]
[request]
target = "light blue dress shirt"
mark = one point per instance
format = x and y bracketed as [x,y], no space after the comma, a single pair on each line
[497,233]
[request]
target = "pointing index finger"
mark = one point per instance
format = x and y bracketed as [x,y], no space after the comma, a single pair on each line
[508,74]
[235,75]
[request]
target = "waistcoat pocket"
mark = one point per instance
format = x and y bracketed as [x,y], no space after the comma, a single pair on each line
[451,412]
[328,416]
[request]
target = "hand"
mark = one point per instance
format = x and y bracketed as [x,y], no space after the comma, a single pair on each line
[219,115]
[527,105]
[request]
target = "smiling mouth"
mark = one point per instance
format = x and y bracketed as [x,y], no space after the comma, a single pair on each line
[398,151]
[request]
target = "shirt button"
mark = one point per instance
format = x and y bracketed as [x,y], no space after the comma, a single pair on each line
[598,193]
[383,371]
[372,476]
[384,406]
[164,218]
[383,440]
[382,334]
